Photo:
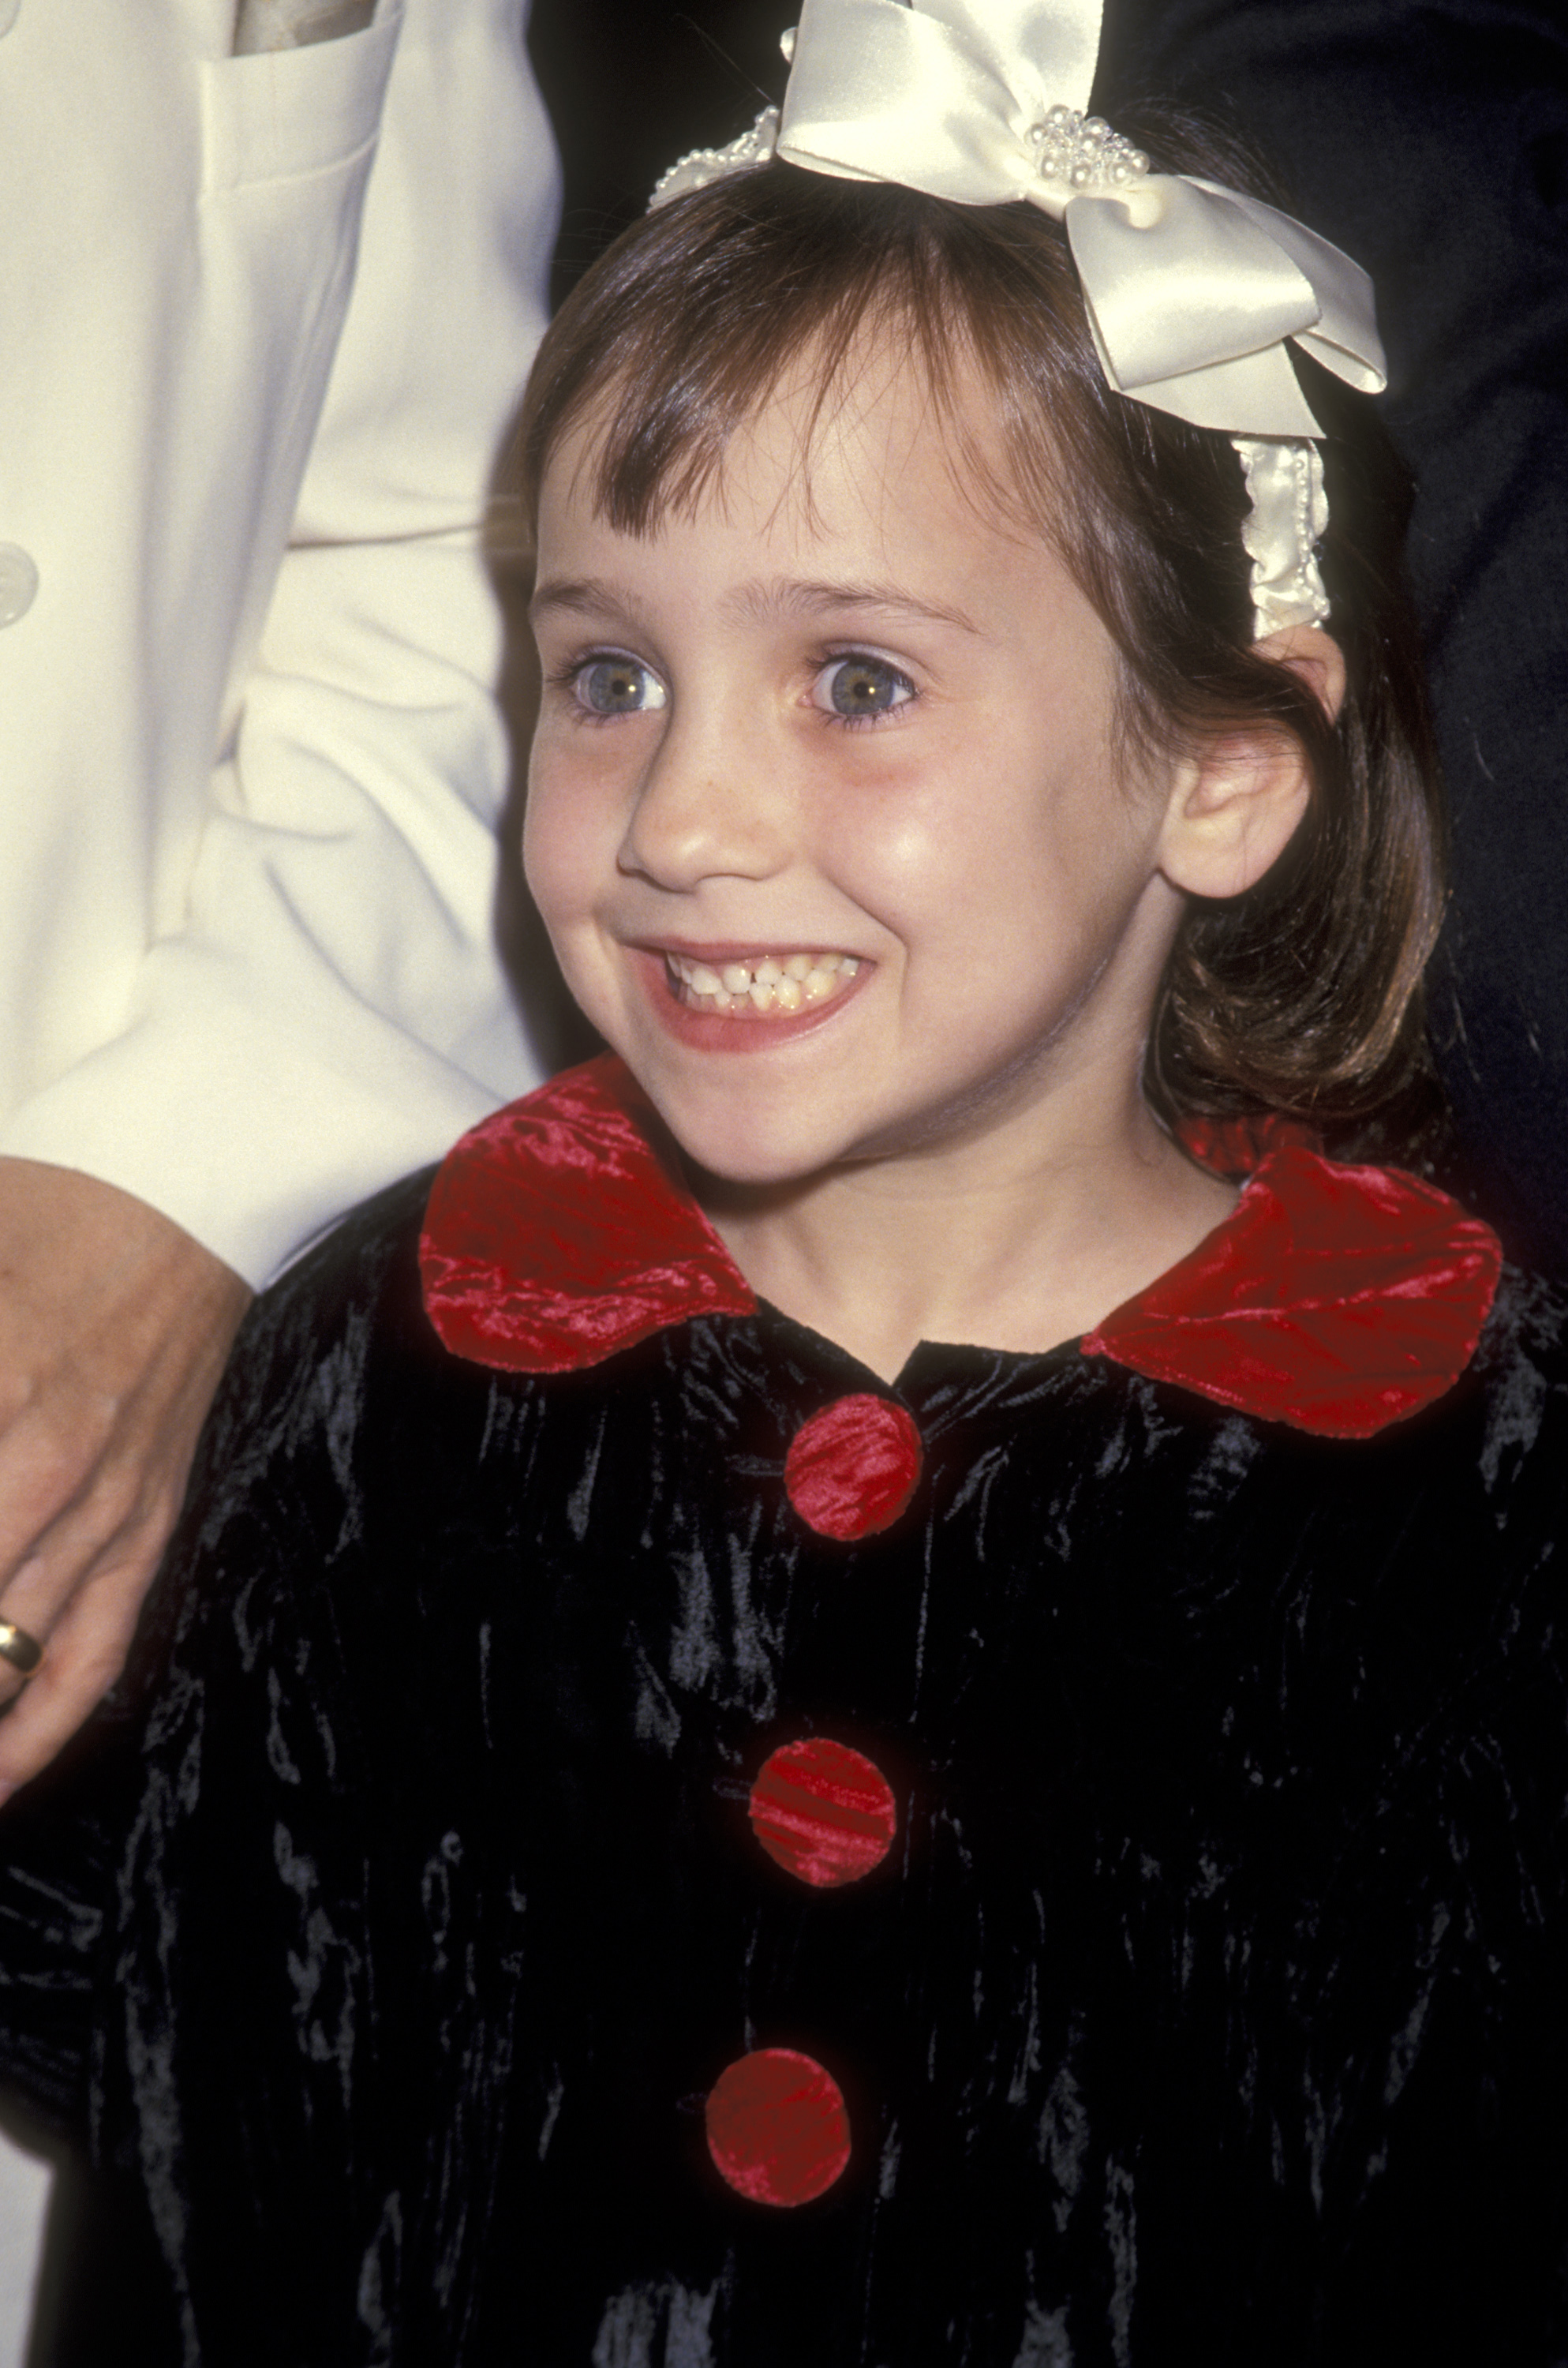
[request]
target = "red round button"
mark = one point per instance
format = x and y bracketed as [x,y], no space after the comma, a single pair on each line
[777,2130]
[852,1468]
[825,1813]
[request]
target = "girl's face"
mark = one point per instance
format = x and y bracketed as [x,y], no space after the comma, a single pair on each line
[825,817]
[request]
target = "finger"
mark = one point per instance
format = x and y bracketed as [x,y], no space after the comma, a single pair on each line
[85,1654]
[33,1603]
[45,1480]
[21,1650]
[107,1544]
[109,1522]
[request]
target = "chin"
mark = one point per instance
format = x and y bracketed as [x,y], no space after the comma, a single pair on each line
[755,1158]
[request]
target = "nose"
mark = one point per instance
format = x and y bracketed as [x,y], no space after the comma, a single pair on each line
[711,805]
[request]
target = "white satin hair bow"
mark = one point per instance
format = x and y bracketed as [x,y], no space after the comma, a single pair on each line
[1192,291]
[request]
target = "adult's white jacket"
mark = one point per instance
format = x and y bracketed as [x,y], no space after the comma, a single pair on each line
[262,319]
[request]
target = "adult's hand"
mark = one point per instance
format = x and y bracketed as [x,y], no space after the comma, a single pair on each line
[114,1326]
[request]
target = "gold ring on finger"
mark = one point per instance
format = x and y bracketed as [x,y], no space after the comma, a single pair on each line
[23,1652]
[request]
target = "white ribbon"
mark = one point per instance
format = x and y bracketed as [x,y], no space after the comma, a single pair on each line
[1192,291]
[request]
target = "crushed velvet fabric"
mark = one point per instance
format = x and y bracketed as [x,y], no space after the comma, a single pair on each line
[557,1235]
[391,1932]
[1336,1298]
[1339,1298]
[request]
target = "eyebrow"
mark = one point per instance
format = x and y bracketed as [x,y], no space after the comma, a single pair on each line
[576,596]
[788,597]
[784,597]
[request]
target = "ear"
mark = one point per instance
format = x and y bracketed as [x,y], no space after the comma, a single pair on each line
[1236,806]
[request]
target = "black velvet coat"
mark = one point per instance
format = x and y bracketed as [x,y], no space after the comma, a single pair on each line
[1210,2005]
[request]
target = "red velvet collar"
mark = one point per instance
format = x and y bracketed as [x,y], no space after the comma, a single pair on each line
[1337,1299]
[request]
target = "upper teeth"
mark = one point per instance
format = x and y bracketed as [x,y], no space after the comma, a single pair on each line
[769,983]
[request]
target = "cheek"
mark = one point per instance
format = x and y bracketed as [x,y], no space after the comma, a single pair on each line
[955,854]
[1016,883]
[544,846]
[896,828]
[569,836]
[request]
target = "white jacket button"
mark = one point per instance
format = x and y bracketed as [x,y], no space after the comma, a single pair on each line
[8,14]
[19,576]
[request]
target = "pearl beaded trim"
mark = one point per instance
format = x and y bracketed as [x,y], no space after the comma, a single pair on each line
[702,165]
[1083,153]
[1281,534]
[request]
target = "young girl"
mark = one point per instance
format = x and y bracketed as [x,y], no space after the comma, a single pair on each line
[889,1687]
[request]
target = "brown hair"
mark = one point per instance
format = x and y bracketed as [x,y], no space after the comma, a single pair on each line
[1303,995]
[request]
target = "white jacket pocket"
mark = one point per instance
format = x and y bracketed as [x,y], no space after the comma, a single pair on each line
[286,113]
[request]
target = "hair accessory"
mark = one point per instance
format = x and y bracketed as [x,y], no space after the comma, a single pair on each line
[1083,154]
[1192,291]
[23,1652]
[1289,513]
[704,165]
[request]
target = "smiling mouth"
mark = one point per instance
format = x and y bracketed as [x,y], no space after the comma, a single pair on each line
[761,987]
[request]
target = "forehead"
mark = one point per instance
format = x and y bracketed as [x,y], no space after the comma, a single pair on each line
[877,454]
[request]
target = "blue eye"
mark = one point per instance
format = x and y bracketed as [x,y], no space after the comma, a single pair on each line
[613,685]
[856,688]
